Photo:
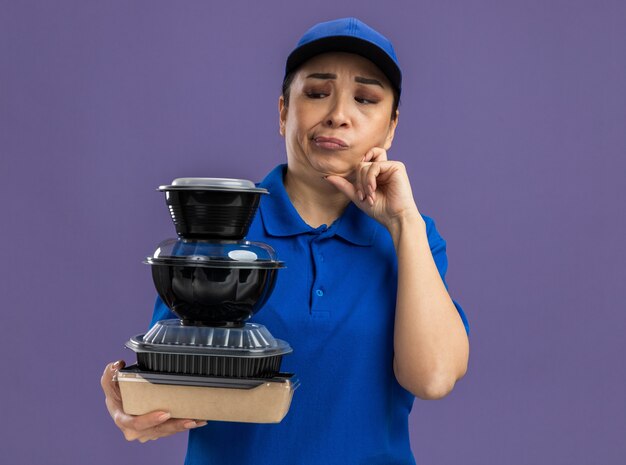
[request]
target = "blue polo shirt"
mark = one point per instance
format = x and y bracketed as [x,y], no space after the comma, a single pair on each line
[335,305]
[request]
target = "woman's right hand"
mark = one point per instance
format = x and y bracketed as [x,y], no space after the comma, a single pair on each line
[153,425]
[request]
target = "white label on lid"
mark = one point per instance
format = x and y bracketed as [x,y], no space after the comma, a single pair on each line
[242,255]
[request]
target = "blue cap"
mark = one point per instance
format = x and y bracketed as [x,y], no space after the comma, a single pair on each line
[352,36]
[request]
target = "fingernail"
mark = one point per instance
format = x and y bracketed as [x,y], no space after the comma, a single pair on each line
[165,416]
[190,424]
[201,423]
[115,366]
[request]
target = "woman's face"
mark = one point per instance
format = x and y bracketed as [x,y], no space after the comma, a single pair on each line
[339,108]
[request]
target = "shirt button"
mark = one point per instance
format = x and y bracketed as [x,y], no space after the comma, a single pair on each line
[319,292]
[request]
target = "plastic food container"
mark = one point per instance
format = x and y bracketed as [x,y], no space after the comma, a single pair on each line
[212,208]
[169,346]
[214,283]
[205,398]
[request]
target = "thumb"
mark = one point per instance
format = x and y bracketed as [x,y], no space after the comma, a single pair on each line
[342,185]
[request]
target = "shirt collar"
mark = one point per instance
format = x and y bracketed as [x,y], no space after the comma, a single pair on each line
[280,217]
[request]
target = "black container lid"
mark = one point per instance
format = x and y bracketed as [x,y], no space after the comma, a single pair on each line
[208,381]
[213,184]
[172,337]
[215,254]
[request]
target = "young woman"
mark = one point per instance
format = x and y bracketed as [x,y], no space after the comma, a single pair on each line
[363,301]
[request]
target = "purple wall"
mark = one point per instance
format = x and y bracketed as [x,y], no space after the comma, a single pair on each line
[513,128]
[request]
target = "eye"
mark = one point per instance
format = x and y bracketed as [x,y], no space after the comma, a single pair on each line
[365,101]
[316,95]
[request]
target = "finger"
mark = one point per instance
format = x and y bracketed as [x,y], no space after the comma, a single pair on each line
[194,424]
[173,426]
[356,184]
[375,154]
[343,185]
[143,422]
[109,386]
[364,183]
[168,428]
[370,179]
[176,425]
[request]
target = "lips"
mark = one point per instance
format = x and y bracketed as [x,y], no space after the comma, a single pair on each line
[329,143]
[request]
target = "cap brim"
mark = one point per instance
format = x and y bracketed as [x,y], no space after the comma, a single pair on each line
[347,44]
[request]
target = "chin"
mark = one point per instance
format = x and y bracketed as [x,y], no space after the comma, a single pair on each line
[333,167]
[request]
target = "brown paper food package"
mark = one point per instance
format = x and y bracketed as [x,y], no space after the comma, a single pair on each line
[266,403]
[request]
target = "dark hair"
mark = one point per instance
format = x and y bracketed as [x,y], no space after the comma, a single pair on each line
[289,79]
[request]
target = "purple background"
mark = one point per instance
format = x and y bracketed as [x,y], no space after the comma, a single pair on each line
[513,128]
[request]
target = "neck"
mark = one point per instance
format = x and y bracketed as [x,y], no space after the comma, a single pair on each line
[316,201]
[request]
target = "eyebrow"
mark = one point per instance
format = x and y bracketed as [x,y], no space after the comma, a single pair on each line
[359,79]
[364,80]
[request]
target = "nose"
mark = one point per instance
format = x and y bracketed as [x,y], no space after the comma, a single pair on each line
[338,114]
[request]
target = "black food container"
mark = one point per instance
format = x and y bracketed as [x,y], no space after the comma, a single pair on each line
[214,283]
[212,208]
[247,352]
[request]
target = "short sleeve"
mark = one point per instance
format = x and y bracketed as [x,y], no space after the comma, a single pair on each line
[438,249]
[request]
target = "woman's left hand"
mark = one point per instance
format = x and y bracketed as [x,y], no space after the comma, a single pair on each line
[379,187]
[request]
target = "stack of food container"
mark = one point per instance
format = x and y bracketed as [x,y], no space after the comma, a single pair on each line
[210,364]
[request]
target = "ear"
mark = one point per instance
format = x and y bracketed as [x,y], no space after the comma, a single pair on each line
[393,124]
[282,115]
